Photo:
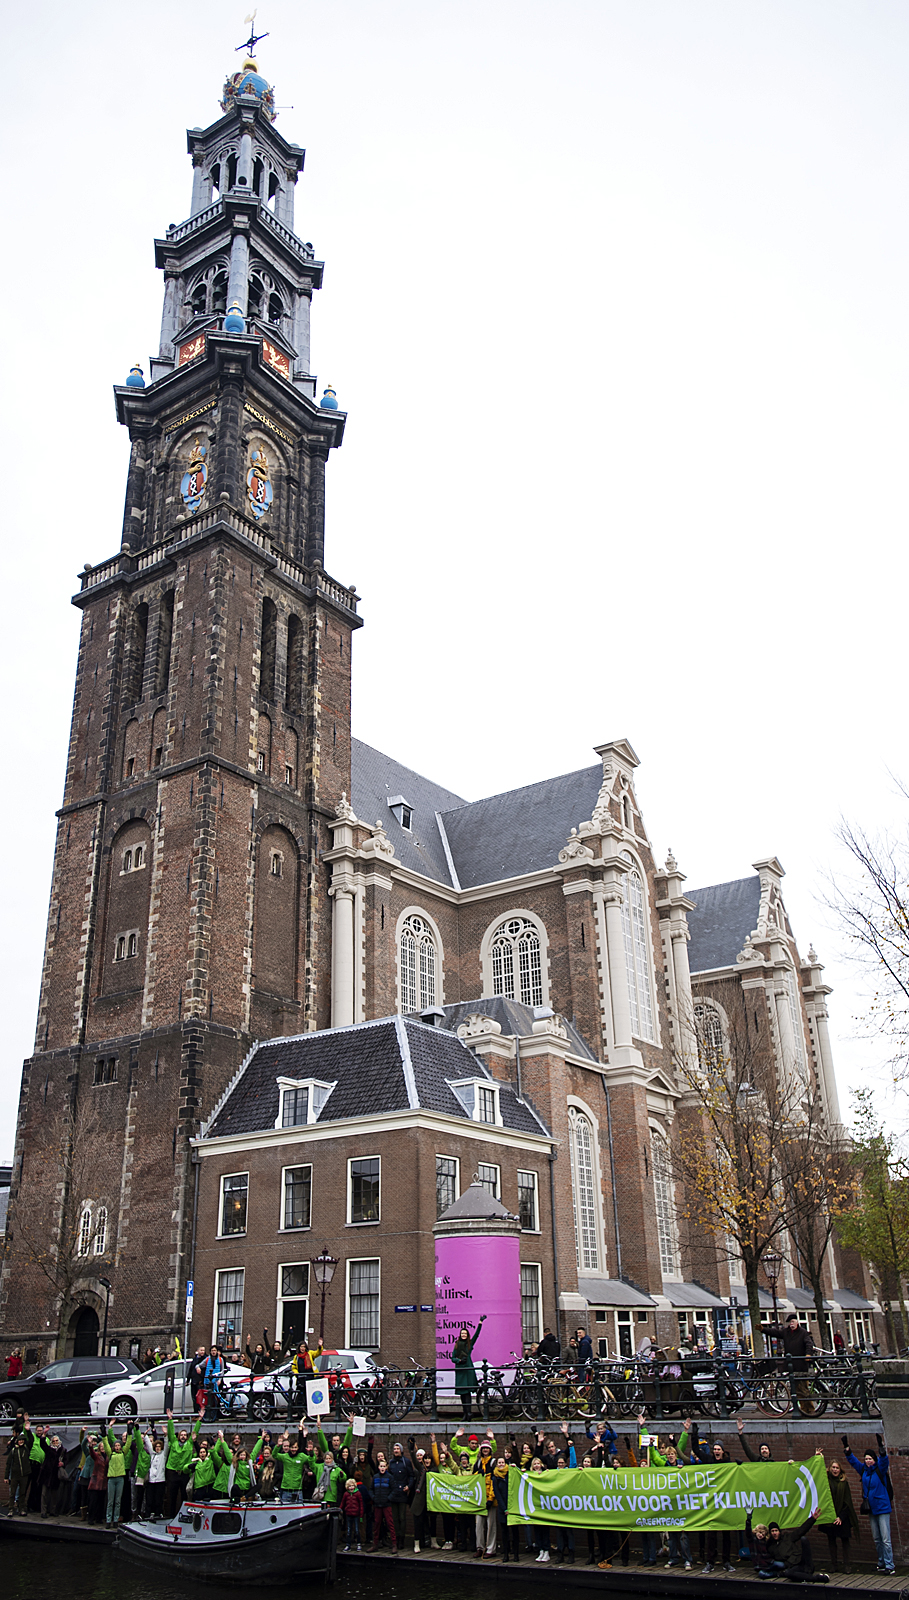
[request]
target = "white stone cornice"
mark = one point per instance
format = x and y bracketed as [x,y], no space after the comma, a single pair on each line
[384,1122]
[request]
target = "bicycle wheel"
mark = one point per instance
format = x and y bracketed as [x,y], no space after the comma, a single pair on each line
[426,1397]
[496,1401]
[771,1395]
[527,1401]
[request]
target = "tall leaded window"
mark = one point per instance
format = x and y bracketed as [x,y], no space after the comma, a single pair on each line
[583,1190]
[100,1241]
[516,962]
[709,1028]
[234,1193]
[637,960]
[795,1017]
[665,1205]
[84,1240]
[418,965]
[488,1177]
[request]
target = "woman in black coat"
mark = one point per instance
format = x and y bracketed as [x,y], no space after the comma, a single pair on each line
[846,1522]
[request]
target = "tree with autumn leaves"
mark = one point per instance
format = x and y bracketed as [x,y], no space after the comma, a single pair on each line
[758,1164]
[874,1215]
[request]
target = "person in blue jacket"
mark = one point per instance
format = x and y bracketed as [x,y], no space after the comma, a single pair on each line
[873,1471]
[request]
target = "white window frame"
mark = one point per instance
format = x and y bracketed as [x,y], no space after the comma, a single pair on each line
[519,913]
[667,1225]
[706,1011]
[283,1226]
[492,1166]
[372,1222]
[291,1299]
[538,1269]
[465,1092]
[318,1091]
[240,1233]
[441,1156]
[435,937]
[525,1172]
[348,1340]
[219,1274]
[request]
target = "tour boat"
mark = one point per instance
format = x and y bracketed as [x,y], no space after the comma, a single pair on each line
[246,1543]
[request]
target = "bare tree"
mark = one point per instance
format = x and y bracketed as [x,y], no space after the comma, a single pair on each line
[874,909]
[58,1222]
[817,1181]
[873,1217]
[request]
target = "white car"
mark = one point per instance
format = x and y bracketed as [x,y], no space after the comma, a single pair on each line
[270,1391]
[143,1396]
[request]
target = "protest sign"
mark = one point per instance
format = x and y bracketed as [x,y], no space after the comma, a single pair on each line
[714,1495]
[447,1492]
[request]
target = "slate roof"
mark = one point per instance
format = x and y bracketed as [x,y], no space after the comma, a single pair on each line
[374,780]
[726,914]
[391,1065]
[522,830]
[513,1018]
[503,836]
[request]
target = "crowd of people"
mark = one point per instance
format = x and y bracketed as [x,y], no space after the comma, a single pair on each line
[148,1472]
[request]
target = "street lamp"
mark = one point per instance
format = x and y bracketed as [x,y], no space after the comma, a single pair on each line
[772,1263]
[107,1285]
[323,1266]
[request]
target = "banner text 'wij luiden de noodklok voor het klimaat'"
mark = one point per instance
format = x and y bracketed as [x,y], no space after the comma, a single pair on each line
[689,1498]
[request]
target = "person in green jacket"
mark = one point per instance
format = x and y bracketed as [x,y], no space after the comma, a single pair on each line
[331,1480]
[203,1471]
[180,1451]
[293,1464]
[472,1446]
[119,1453]
[337,1443]
[223,1459]
[462,1360]
[242,1479]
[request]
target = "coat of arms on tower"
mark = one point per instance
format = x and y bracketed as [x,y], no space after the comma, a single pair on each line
[258,484]
[194,479]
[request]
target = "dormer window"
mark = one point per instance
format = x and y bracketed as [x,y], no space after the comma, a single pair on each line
[301,1101]
[403,811]
[479,1098]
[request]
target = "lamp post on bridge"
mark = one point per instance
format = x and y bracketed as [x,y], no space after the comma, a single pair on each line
[323,1266]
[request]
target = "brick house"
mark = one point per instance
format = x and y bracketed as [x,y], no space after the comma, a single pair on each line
[232,867]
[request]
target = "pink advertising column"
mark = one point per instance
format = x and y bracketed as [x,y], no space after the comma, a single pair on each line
[478,1272]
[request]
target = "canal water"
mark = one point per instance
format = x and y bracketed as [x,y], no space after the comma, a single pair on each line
[35,1568]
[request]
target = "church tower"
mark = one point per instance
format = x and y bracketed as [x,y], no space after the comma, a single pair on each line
[209,750]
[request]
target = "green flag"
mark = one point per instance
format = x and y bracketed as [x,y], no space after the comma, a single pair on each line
[449,1491]
[714,1495]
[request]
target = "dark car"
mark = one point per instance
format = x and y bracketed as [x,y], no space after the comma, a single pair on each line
[63,1388]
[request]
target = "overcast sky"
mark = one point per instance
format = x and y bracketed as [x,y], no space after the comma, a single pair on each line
[615,296]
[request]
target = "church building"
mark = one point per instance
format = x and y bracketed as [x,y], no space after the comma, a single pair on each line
[295,994]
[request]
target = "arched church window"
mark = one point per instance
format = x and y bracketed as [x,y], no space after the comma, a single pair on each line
[215,176]
[274,189]
[268,648]
[231,171]
[637,957]
[516,962]
[84,1236]
[275,307]
[219,293]
[708,1026]
[198,298]
[258,175]
[255,296]
[418,965]
[664,1197]
[583,1189]
[100,1242]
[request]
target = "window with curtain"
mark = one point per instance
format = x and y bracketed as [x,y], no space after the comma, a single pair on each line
[229,1307]
[583,1190]
[418,965]
[516,962]
[664,1197]
[363,1304]
[637,958]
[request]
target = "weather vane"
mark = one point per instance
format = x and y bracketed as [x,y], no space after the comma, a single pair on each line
[254,37]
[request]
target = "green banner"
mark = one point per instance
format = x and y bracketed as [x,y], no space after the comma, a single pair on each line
[447,1491]
[691,1498]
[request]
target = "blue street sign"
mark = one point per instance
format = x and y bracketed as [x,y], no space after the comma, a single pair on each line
[405,1308]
